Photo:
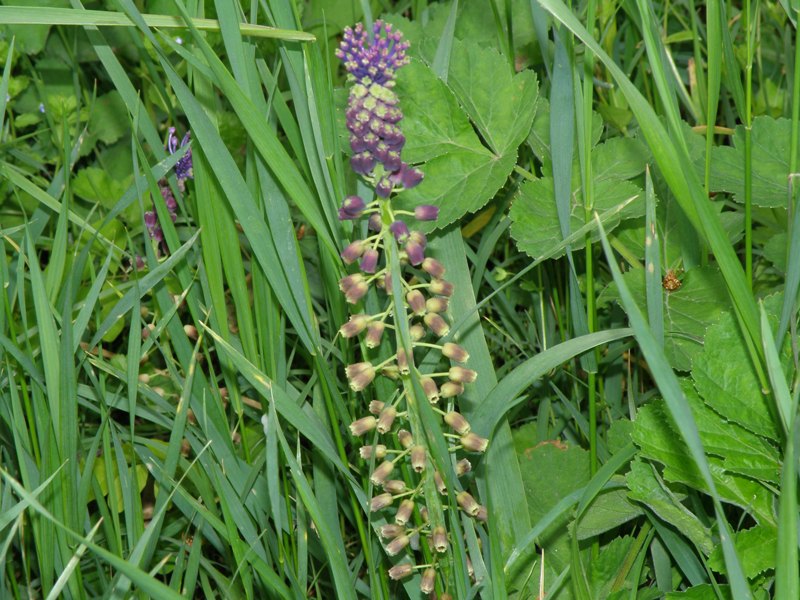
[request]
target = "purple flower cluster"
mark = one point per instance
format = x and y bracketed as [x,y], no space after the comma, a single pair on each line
[183,171]
[151,218]
[183,168]
[372,113]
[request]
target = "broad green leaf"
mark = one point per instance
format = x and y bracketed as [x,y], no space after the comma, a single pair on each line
[741,452]
[688,311]
[502,110]
[725,378]
[550,470]
[774,250]
[644,487]
[461,174]
[434,124]
[609,510]
[109,120]
[96,186]
[658,440]
[755,546]
[534,214]
[770,162]
[607,565]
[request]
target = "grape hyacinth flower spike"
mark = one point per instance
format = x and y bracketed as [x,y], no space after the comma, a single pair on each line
[416,496]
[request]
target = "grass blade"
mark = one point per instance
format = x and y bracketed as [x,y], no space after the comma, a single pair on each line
[46,15]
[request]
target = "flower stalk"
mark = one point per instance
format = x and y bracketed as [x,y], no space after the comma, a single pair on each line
[391,263]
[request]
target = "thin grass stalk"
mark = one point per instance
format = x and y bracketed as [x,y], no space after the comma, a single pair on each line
[652,252]
[795,105]
[714,52]
[749,30]
[588,207]
[697,55]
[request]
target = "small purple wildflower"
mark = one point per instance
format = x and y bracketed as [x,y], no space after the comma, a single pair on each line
[400,230]
[183,168]
[351,208]
[426,212]
[154,229]
[369,262]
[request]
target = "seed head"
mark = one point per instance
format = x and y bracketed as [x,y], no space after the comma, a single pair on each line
[405,438]
[428,581]
[381,472]
[440,539]
[441,287]
[386,419]
[467,503]
[367,452]
[401,571]
[462,375]
[404,511]
[418,458]
[363,425]
[455,352]
[455,420]
[474,443]
[391,530]
[437,324]
[360,375]
[380,502]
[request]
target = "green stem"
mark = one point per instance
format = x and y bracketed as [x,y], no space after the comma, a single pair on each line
[588,205]
[748,149]
[795,105]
